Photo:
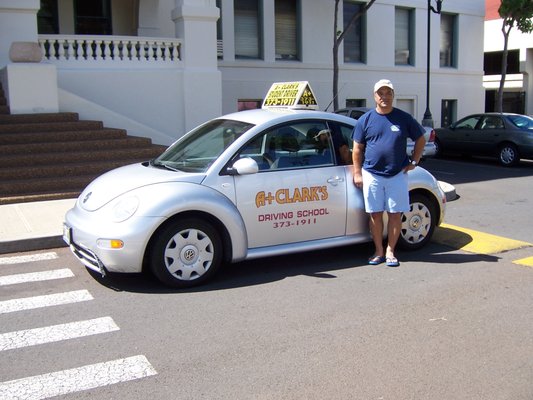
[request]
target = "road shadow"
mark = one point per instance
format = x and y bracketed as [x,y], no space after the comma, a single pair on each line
[458,170]
[316,264]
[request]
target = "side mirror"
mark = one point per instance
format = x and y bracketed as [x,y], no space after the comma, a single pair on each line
[244,166]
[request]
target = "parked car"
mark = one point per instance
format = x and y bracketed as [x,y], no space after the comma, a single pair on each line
[250,184]
[429,149]
[507,136]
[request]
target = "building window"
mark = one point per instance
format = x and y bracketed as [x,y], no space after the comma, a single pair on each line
[248,36]
[448,112]
[220,43]
[448,54]
[355,103]
[47,19]
[249,104]
[286,14]
[492,62]
[353,41]
[403,40]
[93,17]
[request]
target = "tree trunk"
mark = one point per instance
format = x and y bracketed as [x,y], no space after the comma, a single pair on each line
[506,30]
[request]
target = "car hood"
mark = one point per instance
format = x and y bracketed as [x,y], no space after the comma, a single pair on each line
[125,179]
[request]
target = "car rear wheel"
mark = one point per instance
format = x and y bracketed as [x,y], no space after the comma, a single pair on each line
[508,155]
[438,148]
[186,253]
[418,224]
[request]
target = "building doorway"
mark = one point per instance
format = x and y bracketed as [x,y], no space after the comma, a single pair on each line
[93,17]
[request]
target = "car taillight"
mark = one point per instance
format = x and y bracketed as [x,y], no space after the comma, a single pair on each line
[432,136]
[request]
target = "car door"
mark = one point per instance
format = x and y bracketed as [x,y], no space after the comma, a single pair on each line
[300,195]
[461,137]
[488,134]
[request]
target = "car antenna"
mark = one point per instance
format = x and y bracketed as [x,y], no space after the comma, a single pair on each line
[332,100]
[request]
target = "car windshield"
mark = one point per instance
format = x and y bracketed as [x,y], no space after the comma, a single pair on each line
[522,121]
[196,151]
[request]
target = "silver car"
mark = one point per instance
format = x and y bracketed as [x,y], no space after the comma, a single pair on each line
[251,184]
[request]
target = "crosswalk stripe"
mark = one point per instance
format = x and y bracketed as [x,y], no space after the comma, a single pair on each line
[35,276]
[51,255]
[30,303]
[77,379]
[56,333]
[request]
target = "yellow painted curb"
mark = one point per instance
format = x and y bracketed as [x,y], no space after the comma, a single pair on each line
[528,261]
[475,241]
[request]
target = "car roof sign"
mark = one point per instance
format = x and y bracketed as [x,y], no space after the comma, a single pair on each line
[293,95]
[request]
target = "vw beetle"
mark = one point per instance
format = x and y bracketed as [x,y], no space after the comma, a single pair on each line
[250,184]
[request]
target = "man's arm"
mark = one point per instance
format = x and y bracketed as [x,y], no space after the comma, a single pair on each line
[417,152]
[357,159]
[419,149]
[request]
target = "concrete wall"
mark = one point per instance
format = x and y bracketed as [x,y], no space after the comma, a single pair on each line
[251,79]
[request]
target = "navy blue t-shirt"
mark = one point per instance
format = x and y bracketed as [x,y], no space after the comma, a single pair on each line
[385,140]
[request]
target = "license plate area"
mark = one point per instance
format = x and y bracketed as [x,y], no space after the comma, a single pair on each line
[67,234]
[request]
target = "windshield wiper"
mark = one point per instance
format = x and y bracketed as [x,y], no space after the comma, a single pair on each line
[159,164]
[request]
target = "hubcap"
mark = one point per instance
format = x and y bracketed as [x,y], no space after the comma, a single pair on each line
[416,223]
[189,254]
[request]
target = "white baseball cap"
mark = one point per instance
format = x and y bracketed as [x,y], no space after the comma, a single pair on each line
[383,83]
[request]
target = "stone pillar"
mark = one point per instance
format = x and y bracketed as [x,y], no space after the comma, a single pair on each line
[18,23]
[30,86]
[196,26]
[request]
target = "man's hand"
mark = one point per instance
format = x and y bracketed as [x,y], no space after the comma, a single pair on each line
[358,179]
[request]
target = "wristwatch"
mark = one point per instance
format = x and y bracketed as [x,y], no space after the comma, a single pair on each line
[414,163]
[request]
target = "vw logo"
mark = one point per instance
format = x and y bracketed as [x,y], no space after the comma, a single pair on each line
[189,254]
[87,197]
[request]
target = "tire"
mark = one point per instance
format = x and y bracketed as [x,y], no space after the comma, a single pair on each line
[418,224]
[186,253]
[438,148]
[508,155]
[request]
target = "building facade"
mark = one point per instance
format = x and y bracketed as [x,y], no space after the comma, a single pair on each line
[160,67]
[518,87]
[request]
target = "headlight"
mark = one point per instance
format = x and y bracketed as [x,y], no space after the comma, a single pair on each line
[125,208]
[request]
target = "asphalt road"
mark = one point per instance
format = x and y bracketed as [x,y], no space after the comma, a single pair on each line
[447,324]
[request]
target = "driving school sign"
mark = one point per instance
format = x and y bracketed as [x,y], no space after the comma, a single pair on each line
[294,95]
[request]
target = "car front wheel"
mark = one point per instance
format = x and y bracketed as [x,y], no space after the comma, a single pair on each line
[418,223]
[186,253]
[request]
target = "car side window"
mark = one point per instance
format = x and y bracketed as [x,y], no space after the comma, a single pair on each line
[303,144]
[492,122]
[468,123]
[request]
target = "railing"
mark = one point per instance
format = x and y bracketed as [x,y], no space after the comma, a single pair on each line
[109,49]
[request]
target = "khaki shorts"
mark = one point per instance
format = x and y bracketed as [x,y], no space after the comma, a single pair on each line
[384,193]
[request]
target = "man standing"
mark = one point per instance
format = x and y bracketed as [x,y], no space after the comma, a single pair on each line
[380,139]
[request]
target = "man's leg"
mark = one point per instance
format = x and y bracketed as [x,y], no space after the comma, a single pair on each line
[393,232]
[376,229]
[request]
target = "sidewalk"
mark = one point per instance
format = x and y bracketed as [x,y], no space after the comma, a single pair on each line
[39,225]
[32,226]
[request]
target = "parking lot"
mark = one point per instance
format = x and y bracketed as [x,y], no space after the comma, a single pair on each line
[453,322]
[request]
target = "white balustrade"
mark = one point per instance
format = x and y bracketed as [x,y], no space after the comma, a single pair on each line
[109,49]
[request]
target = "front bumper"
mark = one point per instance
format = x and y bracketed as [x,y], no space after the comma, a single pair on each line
[83,230]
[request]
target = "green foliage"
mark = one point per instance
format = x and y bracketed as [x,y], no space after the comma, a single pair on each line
[517,13]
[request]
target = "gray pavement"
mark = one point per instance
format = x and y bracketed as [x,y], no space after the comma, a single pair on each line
[39,225]
[32,226]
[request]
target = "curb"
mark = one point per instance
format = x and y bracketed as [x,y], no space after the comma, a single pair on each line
[42,243]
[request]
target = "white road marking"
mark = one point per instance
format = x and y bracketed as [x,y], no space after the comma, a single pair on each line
[77,379]
[30,303]
[29,258]
[35,276]
[56,333]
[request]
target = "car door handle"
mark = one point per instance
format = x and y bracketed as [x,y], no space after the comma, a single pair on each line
[334,180]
